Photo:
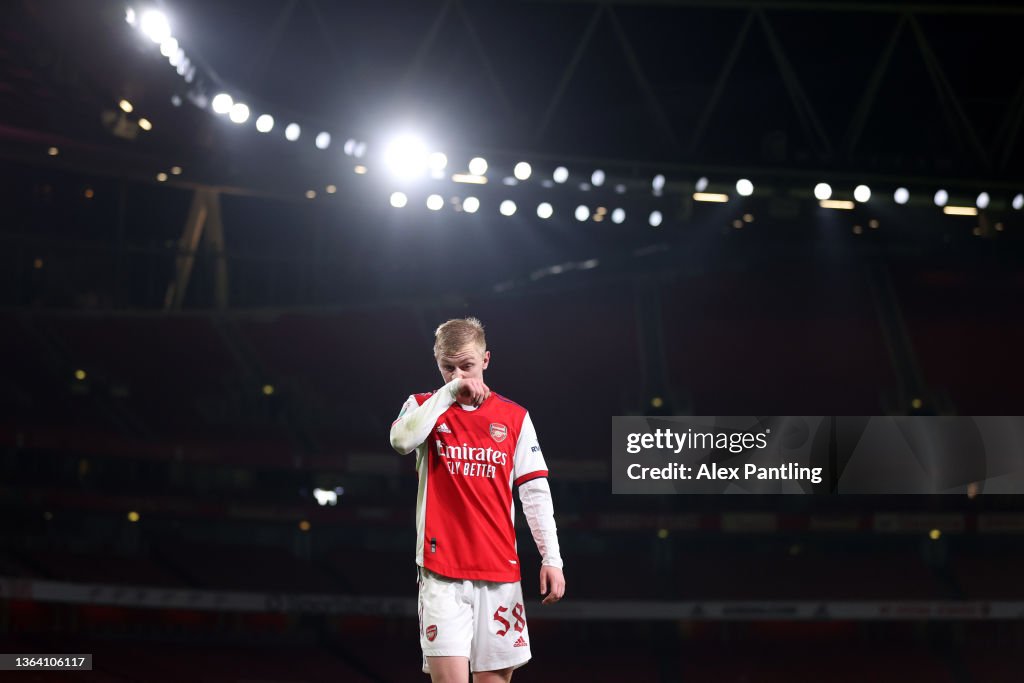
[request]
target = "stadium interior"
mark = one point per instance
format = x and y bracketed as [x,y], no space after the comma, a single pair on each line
[206,329]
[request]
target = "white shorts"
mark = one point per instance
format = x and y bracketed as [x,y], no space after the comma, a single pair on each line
[482,620]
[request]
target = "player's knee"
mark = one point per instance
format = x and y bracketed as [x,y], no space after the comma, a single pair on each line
[498,676]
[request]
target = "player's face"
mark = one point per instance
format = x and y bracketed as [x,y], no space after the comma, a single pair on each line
[468,363]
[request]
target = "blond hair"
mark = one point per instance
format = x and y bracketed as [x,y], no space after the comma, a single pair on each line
[454,335]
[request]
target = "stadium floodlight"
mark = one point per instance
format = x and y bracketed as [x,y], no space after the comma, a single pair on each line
[597,178]
[655,219]
[545,210]
[323,140]
[398,199]
[658,184]
[155,26]
[941,197]
[983,200]
[437,161]
[901,195]
[702,184]
[222,103]
[960,211]
[406,156]
[291,132]
[129,16]
[522,170]
[478,166]
[125,106]
[822,191]
[435,202]
[169,48]
[1018,202]
[744,187]
[582,213]
[145,124]
[560,175]
[618,216]
[325,496]
[862,193]
[507,208]
[470,204]
[265,123]
[239,113]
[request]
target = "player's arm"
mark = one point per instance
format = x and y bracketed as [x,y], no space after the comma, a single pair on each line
[539,510]
[415,421]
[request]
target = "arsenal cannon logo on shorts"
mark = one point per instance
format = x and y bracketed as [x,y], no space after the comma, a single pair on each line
[498,432]
[431,632]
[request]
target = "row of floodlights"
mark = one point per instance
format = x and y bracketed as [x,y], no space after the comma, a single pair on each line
[406,155]
[545,210]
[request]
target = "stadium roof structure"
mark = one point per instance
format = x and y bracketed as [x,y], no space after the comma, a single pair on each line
[881,90]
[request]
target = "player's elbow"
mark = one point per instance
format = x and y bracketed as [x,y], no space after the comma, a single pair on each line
[400,441]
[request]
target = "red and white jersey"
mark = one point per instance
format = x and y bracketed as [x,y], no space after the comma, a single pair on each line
[467,468]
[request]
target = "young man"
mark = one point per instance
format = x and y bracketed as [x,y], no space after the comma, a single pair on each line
[472,446]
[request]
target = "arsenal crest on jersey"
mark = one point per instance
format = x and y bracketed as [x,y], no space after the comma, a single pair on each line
[498,432]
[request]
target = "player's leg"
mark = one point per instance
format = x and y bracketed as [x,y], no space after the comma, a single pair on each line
[448,669]
[501,640]
[500,676]
[446,627]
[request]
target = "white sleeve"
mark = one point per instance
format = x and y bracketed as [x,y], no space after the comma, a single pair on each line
[415,421]
[528,461]
[539,511]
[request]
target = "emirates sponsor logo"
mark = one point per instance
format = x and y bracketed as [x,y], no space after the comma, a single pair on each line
[498,432]
[521,642]
[432,632]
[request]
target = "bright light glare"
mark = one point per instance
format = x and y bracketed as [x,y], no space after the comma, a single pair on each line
[265,123]
[901,195]
[507,208]
[744,187]
[154,24]
[239,113]
[169,47]
[941,197]
[221,103]
[522,170]
[822,191]
[406,157]
[582,213]
[545,210]
[655,219]
[597,178]
[126,106]
[862,193]
[658,184]
[983,200]
[560,175]
[435,202]
[398,199]
[145,124]
[1018,202]
[702,184]
[618,216]
[437,161]
[129,16]
[323,140]
[291,132]
[470,204]
[177,58]
[478,166]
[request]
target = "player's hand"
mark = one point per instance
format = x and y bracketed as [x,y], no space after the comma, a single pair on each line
[472,391]
[552,582]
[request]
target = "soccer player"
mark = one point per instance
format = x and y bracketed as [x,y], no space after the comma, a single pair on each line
[472,447]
